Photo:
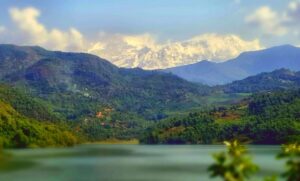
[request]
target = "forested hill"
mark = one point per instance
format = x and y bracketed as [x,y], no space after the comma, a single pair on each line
[80,84]
[48,90]
[264,118]
[27,105]
[281,79]
[25,122]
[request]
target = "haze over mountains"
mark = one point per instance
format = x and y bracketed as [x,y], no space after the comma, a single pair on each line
[246,64]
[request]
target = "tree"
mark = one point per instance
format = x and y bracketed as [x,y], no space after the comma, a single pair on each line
[234,164]
[20,139]
[291,153]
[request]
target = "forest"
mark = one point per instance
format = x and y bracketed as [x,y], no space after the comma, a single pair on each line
[62,98]
[263,118]
[25,122]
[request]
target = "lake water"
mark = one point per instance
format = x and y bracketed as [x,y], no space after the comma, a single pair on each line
[125,162]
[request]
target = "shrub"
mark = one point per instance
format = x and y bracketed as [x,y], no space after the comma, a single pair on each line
[234,164]
[291,153]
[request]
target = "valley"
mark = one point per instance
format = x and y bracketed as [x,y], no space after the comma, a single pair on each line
[170,90]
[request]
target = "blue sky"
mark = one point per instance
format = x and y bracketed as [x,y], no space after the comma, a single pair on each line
[272,22]
[170,19]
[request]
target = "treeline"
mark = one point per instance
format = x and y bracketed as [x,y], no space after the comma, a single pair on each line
[266,118]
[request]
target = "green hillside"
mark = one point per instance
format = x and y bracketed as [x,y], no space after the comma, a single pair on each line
[265,118]
[97,100]
[27,105]
[80,84]
[281,79]
[26,123]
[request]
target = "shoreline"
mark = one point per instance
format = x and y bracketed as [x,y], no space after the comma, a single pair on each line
[116,142]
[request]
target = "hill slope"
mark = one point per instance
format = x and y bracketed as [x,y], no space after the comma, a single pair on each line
[80,84]
[27,105]
[281,79]
[265,118]
[26,130]
[246,64]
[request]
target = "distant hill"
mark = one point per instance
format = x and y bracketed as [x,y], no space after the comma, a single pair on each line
[246,64]
[263,118]
[281,79]
[80,84]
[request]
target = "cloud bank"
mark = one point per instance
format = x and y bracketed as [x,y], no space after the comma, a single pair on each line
[130,50]
[26,20]
[268,20]
[276,23]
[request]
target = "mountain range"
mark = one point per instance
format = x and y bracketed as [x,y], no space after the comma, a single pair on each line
[145,52]
[80,84]
[245,65]
[57,92]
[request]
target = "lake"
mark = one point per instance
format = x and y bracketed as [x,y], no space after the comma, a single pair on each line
[125,162]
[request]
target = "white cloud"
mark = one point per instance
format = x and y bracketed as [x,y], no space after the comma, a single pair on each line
[144,51]
[276,23]
[293,5]
[130,50]
[294,11]
[268,20]
[27,21]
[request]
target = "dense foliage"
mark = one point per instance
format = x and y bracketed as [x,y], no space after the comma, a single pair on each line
[19,131]
[80,84]
[234,164]
[265,118]
[27,105]
[281,79]
[102,101]
[26,122]
[109,124]
[291,153]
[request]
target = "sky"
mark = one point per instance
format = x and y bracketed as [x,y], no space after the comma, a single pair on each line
[152,34]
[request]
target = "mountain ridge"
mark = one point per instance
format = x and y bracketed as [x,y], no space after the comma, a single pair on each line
[281,79]
[61,77]
[246,64]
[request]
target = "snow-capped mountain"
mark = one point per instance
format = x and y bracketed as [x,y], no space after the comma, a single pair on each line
[144,52]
